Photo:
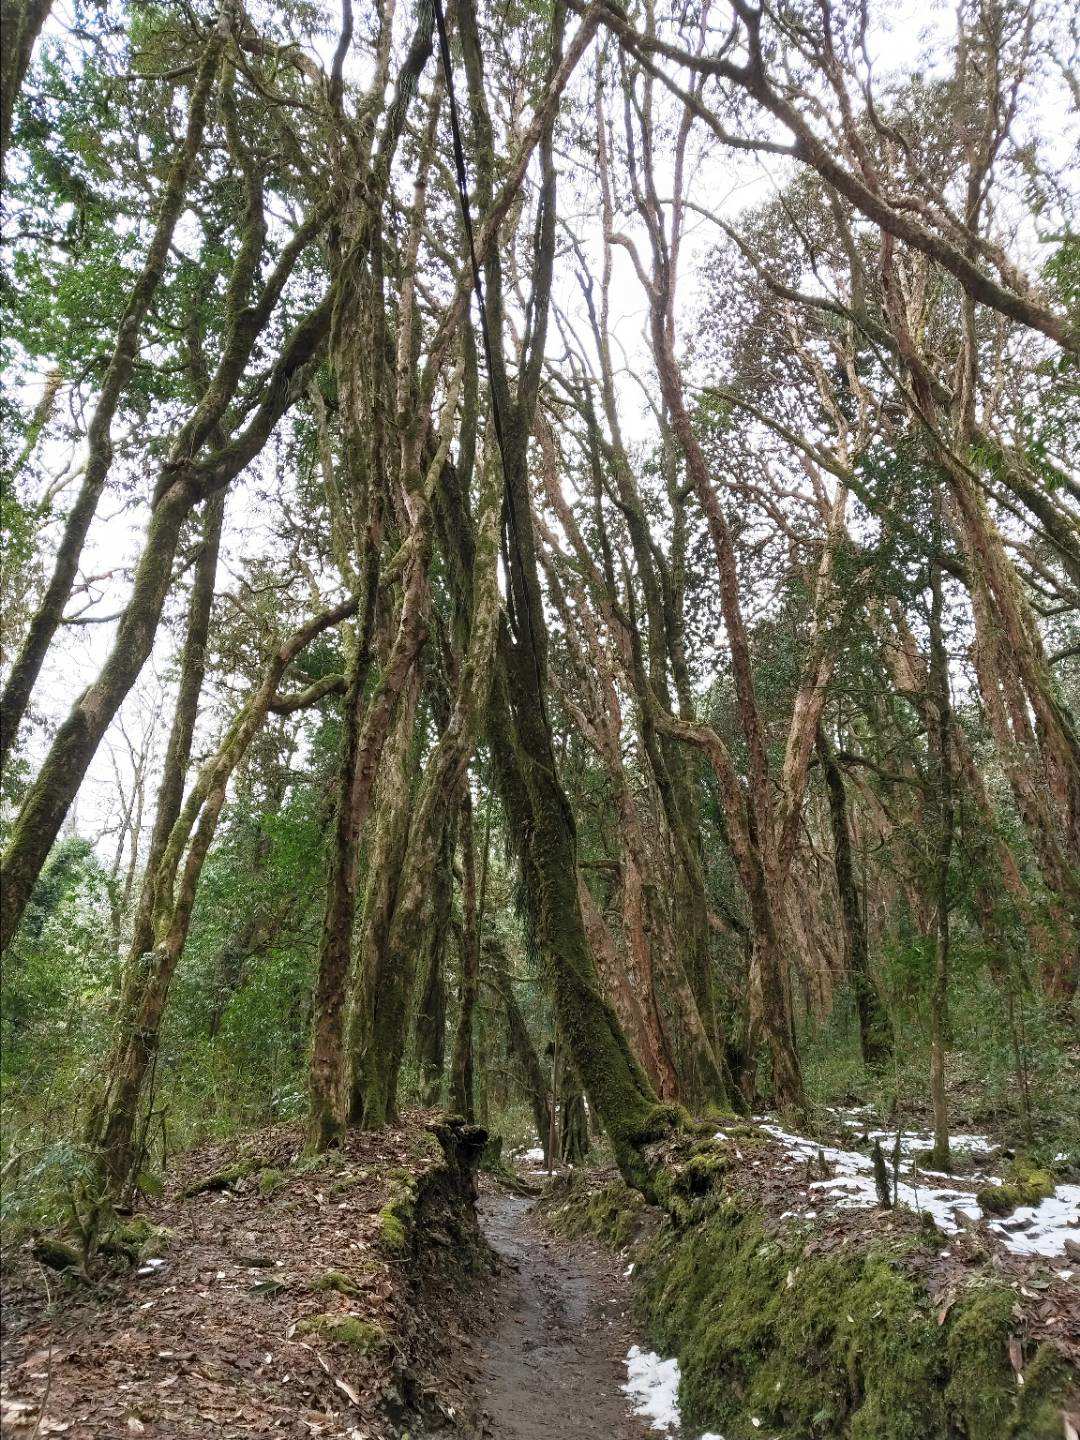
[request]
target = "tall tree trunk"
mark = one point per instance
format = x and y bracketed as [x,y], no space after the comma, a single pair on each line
[942,799]
[431,1015]
[171,790]
[21,22]
[524,1051]
[873,1023]
[175,886]
[365,730]
[539,815]
[462,1070]
[178,752]
[389,975]
[380,990]
[45,623]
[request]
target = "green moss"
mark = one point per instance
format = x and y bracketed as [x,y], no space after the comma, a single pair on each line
[392,1230]
[981,1380]
[840,1345]
[695,1185]
[891,1347]
[1024,1185]
[270,1180]
[1047,1379]
[336,1280]
[56,1254]
[612,1213]
[310,1161]
[395,1219]
[147,1240]
[361,1335]
[846,1346]
[223,1179]
[986,1399]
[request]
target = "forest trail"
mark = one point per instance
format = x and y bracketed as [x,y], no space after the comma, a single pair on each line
[553,1363]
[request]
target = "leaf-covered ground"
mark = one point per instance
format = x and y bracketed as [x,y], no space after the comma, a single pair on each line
[283,1304]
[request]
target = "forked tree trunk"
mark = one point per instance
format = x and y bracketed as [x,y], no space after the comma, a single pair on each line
[174,887]
[366,728]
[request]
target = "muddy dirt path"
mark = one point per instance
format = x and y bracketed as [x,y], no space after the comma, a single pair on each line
[551,1366]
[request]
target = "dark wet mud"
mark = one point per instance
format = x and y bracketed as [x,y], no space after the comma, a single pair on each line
[551,1366]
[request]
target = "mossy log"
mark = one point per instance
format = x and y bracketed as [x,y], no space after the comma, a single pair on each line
[1024,1185]
[223,1179]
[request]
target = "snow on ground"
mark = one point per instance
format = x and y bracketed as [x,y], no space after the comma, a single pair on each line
[1042,1229]
[1031,1230]
[653,1385]
[531,1160]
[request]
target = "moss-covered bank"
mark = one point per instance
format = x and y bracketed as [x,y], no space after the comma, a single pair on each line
[774,1338]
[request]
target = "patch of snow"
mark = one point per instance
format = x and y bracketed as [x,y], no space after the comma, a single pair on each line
[150,1267]
[1031,1230]
[534,1156]
[1042,1229]
[858,1192]
[653,1386]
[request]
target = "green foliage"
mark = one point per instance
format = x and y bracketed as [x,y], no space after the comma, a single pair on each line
[55,1002]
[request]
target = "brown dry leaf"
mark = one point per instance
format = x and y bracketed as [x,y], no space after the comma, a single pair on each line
[1016,1357]
[18,1412]
[347,1389]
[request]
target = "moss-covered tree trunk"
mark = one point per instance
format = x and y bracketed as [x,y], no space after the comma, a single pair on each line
[519,732]
[170,792]
[431,1012]
[389,972]
[523,1050]
[462,1066]
[365,733]
[546,837]
[379,975]
[873,1023]
[175,884]
[942,807]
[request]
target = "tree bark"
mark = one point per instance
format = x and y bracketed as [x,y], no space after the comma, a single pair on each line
[21,22]
[874,1044]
